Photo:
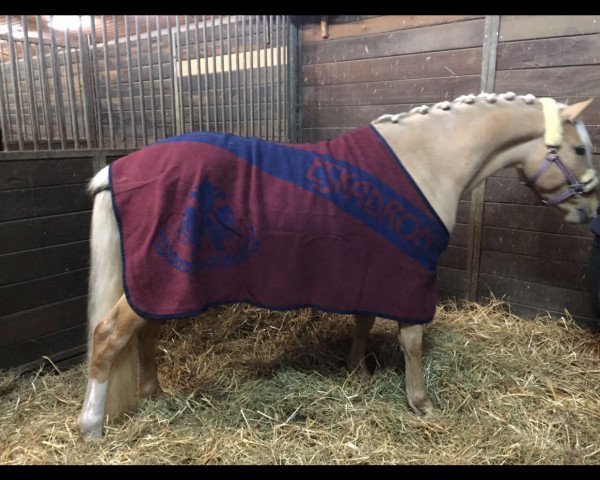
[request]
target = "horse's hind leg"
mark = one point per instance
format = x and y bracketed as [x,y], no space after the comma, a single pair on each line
[411,342]
[112,337]
[356,359]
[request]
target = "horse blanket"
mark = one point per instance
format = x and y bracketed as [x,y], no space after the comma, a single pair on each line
[213,218]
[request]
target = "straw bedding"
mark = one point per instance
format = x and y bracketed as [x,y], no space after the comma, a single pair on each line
[250,386]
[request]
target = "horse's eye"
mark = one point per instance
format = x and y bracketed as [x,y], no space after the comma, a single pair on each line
[579,150]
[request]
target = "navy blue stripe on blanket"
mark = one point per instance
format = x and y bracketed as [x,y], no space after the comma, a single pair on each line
[351,189]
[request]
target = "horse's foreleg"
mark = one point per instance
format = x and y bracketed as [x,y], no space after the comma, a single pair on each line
[111,336]
[356,359]
[411,342]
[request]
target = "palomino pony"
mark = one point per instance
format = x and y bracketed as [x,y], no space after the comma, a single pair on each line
[354,225]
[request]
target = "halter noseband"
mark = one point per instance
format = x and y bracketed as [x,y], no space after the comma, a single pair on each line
[553,139]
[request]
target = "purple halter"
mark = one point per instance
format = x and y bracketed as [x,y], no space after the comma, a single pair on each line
[575,186]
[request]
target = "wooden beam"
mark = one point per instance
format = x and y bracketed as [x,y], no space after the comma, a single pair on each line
[488,79]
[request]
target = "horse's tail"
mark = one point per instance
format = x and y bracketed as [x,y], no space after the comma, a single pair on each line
[105,282]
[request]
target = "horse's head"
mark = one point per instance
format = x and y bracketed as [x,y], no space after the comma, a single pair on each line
[560,167]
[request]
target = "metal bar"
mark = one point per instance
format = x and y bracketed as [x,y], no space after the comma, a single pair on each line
[44,82]
[58,95]
[278,76]
[272,75]
[172,73]
[140,81]
[84,75]
[251,45]
[130,80]
[266,77]
[285,54]
[259,79]
[292,75]
[189,72]
[119,83]
[198,72]
[230,65]
[71,89]
[33,111]
[237,75]
[179,63]
[78,93]
[15,81]
[161,80]
[107,84]
[244,78]
[4,114]
[151,78]
[222,77]
[206,86]
[96,82]
[214,72]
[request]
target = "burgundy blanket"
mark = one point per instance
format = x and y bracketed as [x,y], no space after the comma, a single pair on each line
[213,218]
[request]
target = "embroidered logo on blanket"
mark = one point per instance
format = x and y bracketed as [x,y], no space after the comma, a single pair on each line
[208,235]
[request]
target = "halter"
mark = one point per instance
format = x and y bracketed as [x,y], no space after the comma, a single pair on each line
[553,139]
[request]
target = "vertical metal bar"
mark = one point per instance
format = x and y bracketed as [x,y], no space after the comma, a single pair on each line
[237,75]
[96,74]
[259,79]
[179,97]
[83,74]
[33,111]
[198,73]
[17,91]
[140,80]
[271,75]
[4,100]
[161,80]
[292,75]
[285,111]
[71,89]
[206,87]
[107,83]
[214,72]
[278,76]
[119,83]
[251,48]
[130,80]
[151,78]
[230,65]
[266,79]
[244,77]
[58,95]
[44,82]
[173,75]
[78,92]
[221,83]
[4,114]
[189,72]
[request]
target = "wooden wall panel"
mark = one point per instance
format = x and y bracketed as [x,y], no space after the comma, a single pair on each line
[44,254]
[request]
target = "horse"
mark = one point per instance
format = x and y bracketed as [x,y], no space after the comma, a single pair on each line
[391,214]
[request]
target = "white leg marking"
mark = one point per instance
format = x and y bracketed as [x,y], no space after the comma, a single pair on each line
[92,415]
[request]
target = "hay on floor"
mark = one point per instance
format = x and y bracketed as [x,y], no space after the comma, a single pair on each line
[249,386]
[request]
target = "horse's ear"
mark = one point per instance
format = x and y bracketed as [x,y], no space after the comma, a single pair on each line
[571,112]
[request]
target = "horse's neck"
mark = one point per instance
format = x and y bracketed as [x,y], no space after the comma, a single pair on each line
[449,152]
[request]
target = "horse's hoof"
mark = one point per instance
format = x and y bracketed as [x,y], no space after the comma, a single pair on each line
[423,406]
[89,429]
[360,368]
